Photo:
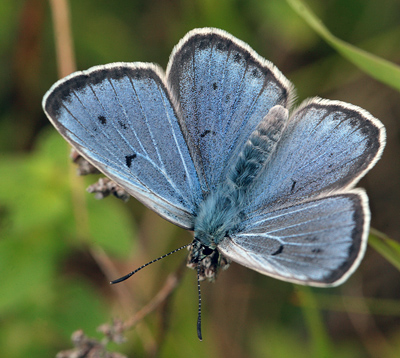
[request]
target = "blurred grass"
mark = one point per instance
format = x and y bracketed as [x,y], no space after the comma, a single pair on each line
[376,67]
[52,281]
[387,247]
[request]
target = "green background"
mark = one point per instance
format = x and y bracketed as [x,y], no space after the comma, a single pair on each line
[59,247]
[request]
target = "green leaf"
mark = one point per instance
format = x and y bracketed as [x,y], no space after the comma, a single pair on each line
[378,68]
[387,247]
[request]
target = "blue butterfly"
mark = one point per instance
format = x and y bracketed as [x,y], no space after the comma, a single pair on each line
[210,146]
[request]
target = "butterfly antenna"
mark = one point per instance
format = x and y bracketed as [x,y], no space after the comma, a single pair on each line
[199,311]
[123,278]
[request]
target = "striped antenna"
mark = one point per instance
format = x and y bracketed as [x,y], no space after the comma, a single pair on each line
[123,278]
[199,310]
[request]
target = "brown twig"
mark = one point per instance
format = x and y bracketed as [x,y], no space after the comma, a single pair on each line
[107,266]
[63,39]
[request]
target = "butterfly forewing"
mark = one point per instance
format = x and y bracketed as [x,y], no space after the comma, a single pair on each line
[121,118]
[327,146]
[224,90]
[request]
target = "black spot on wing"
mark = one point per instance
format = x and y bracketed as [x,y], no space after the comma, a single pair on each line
[207,131]
[223,45]
[215,86]
[277,252]
[122,124]
[237,57]
[102,120]
[203,44]
[129,159]
[256,73]
[317,251]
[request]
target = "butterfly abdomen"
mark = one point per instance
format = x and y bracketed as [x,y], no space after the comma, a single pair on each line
[258,149]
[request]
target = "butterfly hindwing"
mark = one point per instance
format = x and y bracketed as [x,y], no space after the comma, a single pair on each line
[319,242]
[122,119]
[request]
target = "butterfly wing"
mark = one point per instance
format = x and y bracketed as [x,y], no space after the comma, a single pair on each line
[304,223]
[319,242]
[121,118]
[224,90]
[327,146]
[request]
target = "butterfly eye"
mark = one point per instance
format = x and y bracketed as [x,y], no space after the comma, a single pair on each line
[207,251]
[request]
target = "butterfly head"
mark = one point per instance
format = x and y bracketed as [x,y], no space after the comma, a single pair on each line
[206,259]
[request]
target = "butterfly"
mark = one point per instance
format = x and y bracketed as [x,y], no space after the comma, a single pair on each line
[210,146]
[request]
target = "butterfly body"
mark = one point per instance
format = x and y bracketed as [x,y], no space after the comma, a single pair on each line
[221,212]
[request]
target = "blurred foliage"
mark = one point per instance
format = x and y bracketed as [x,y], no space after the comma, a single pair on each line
[376,67]
[387,247]
[59,246]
